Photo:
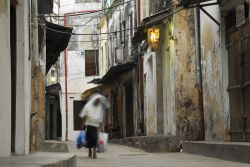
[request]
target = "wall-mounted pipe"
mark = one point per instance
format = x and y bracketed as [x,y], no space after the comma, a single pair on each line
[199,70]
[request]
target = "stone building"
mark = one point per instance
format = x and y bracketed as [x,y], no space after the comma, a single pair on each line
[186,87]
[24,60]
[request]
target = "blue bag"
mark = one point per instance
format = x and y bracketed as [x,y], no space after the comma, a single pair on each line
[81,139]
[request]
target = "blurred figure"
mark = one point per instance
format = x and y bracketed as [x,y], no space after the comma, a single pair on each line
[93,115]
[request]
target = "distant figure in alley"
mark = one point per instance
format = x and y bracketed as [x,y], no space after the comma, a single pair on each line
[93,115]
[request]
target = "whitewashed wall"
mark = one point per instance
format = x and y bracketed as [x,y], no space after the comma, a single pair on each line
[150,103]
[215,75]
[5,75]
[23,95]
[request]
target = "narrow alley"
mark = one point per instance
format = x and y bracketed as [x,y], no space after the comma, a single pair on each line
[123,156]
[165,82]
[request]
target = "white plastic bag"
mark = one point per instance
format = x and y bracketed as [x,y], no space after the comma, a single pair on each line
[102,142]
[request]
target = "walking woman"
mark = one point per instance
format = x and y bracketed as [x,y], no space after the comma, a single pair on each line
[93,115]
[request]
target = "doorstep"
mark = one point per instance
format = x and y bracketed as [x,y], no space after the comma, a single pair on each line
[53,146]
[232,151]
[40,160]
[157,143]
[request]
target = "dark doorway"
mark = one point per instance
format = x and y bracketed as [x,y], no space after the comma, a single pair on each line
[115,109]
[114,133]
[53,116]
[129,109]
[59,122]
[13,74]
[141,88]
[78,105]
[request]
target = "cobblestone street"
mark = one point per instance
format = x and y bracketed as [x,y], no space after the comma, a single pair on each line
[124,156]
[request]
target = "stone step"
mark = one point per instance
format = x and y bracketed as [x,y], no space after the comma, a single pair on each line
[158,143]
[40,160]
[232,151]
[53,146]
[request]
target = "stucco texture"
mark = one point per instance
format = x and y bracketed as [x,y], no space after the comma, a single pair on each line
[189,118]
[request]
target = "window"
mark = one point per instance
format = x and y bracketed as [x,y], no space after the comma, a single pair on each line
[231,19]
[91,62]
[237,16]
[123,32]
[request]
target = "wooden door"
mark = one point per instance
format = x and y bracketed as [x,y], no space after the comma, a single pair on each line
[239,82]
[129,110]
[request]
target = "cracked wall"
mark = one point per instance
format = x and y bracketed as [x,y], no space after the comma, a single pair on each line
[188,117]
[215,77]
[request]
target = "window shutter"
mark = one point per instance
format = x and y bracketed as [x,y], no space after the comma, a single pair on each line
[91,62]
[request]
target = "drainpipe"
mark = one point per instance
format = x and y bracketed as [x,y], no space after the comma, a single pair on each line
[199,70]
[139,11]
[66,84]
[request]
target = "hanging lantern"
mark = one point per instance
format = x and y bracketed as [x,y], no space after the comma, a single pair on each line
[153,37]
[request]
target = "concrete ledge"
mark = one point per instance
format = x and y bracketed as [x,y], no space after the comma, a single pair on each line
[231,151]
[40,160]
[116,141]
[154,143]
[53,146]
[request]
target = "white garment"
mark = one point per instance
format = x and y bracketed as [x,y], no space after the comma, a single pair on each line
[94,114]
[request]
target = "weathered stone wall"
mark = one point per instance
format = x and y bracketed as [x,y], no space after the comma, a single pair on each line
[168,76]
[37,106]
[216,108]
[37,130]
[150,90]
[188,117]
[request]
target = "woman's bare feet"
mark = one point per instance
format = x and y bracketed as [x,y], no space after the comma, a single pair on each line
[90,153]
[94,154]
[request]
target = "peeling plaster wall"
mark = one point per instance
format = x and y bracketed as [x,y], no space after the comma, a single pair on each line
[103,50]
[38,63]
[145,9]
[5,74]
[159,93]
[150,103]
[216,108]
[168,76]
[188,117]
[120,43]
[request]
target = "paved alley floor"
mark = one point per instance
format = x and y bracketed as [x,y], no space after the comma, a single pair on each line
[123,156]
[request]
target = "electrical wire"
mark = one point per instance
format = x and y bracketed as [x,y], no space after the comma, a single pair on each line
[94,17]
[113,32]
[95,11]
[147,2]
[79,14]
[64,32]
[111,38]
